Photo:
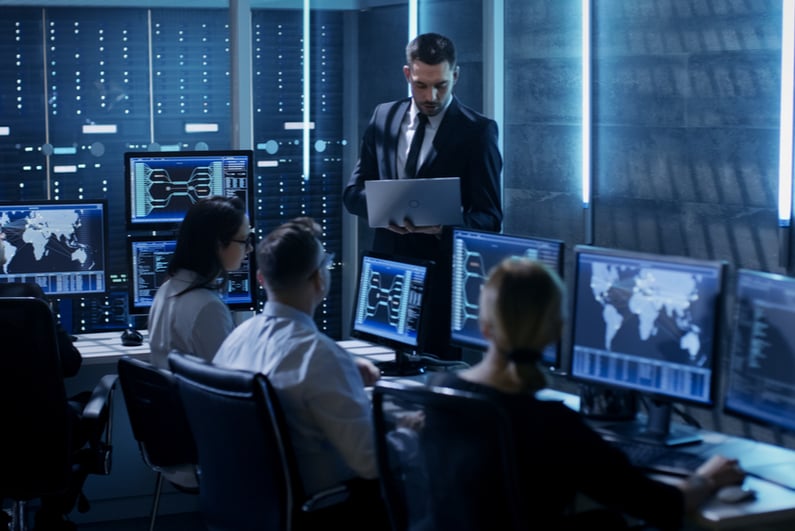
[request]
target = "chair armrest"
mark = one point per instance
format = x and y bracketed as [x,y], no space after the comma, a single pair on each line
[326,498]
[100,397]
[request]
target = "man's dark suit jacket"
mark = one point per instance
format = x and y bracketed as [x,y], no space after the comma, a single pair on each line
[465,146]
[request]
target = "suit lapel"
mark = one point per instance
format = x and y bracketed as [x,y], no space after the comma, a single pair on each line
[444,136]
[392,126]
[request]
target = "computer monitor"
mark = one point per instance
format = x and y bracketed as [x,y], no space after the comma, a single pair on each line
[760,383]
[149,257]
[161,186]
[388,308]
[648,323]
[475,252]
[59,245]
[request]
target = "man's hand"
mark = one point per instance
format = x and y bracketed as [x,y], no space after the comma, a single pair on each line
[410,228]
[370,373]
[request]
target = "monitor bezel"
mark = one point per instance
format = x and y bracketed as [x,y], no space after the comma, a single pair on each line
[105,241]
[481,346]
[720,267]
[149,226]
[757,418]
[400,348]
[134,310]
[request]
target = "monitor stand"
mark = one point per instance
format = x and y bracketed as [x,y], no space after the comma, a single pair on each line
[657,429]
[402,365]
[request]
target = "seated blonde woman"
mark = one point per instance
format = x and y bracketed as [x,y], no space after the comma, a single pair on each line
[560,456]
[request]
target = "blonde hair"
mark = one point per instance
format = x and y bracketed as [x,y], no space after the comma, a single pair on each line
[521,304]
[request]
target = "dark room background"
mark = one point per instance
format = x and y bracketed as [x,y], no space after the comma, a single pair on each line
[685,119]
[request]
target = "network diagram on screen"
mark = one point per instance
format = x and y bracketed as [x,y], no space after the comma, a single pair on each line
[164,186]
[60,246]
[389,302]
[648,326]
[475,252]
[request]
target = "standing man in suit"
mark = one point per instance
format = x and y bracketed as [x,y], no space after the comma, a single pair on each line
[453,141]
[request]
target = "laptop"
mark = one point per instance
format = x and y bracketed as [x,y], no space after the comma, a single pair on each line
[423,201]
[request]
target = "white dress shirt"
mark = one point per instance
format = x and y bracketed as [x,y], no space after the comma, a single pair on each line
[196,322]
[319,389]
[407,129]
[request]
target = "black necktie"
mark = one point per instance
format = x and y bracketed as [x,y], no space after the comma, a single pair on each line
[416,145]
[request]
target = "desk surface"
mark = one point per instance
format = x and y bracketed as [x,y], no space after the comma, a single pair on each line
[773,505]
[106,347]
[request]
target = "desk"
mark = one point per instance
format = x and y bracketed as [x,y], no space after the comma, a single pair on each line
[774,507]
[105,347]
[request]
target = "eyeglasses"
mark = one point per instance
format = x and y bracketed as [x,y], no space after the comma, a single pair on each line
[326,262]
[249,242]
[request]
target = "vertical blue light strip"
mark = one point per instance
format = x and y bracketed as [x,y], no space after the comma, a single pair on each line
[586,176]
[413,26]
[306,102]
[786,119]
[586,103]
[413,19]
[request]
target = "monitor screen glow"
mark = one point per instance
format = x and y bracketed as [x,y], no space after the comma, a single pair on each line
[389,302]
[648,323]
[59,245]
[149,259]
[761,377]
[475,252]
[161,186]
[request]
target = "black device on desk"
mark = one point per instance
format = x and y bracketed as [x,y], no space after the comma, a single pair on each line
[131,338]
[761,377]
[648,323]
[475,252]
[388,309]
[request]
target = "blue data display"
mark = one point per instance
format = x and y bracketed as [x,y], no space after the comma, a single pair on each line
[475,252]
[646,322]
[58,245]
[389,300]
[761,378]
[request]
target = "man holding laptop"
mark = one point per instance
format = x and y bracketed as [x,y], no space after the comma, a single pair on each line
[430,135]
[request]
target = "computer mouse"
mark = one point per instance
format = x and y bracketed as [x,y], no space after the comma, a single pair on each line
[131,338]
[735,494]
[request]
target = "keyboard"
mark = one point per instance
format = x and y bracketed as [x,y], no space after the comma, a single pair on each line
[659,458]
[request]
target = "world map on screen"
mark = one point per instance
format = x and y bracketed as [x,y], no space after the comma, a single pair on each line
[49,240]
[655,302]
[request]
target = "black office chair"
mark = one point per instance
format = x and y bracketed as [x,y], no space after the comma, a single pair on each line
[248,474]
[159,424]
[37,457]
[446,459]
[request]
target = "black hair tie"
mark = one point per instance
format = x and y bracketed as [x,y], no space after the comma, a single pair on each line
[524,355]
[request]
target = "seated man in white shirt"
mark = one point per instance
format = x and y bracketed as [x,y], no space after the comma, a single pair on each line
[320,386]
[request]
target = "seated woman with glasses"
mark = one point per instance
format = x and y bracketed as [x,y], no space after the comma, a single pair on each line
[559,456]
[188,313]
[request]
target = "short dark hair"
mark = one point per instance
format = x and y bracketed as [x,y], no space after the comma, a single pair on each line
[431,49]
[288,255]
[209,221]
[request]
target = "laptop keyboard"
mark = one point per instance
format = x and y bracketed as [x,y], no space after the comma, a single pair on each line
[659,458]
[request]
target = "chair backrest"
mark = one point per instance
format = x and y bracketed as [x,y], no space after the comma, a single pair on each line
[22,289]
[446,458]
[35,442]
[246,482]
[157,417]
